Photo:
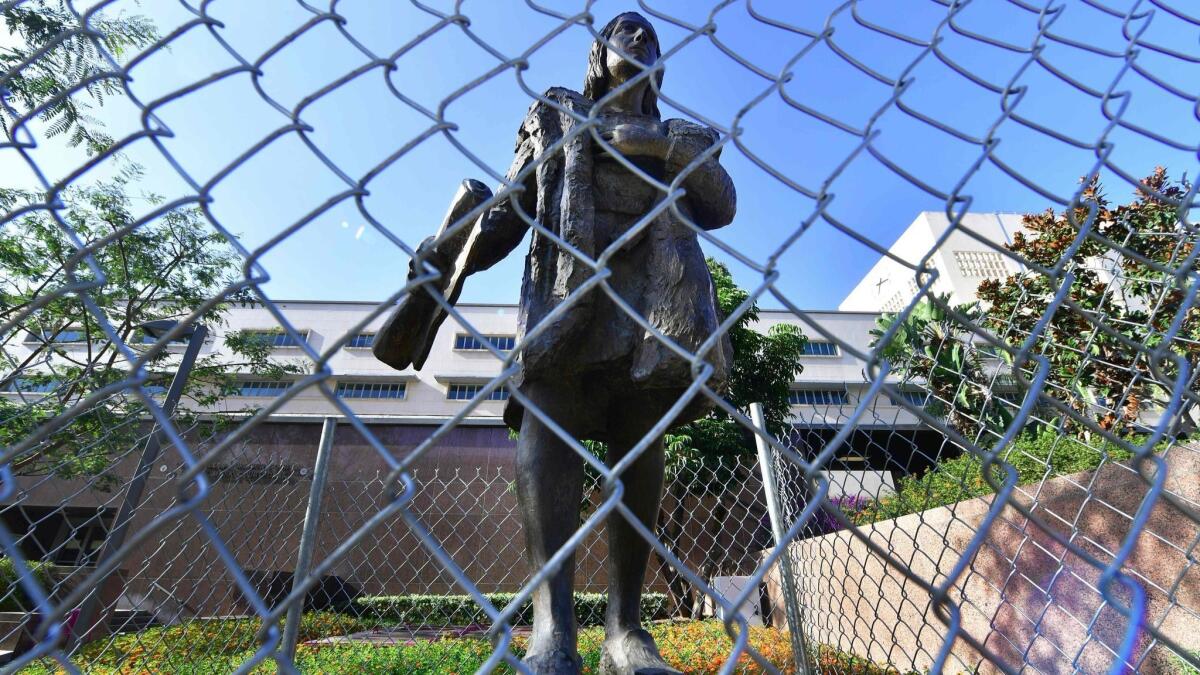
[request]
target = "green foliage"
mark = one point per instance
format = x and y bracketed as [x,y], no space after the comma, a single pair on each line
[163,269]
[15,599]
[198,646]
[1120,299]
[1178,666]
[461,610]
[932,348]
[698,647]
[1036,456]
[70,59]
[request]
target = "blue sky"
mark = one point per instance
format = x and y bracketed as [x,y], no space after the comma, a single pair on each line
[340,255]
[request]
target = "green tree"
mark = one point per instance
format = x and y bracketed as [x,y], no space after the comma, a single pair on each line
[934,350]
[164,269]
[1119,299]
[70,64]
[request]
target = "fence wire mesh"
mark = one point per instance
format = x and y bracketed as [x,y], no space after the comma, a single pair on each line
[1009,484]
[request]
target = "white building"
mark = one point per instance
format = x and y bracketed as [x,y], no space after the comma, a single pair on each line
[825,392]
[966,256]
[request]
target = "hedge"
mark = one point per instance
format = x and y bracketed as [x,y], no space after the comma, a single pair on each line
[15,599]
[461,610]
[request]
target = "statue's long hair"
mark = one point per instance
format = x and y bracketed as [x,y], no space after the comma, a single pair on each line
[596,84]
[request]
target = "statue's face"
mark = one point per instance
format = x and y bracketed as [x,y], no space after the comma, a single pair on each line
[633,38]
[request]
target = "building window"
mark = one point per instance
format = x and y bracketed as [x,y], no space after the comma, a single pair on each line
[275,338]
[262,388]
[817,397]
[362,341]
[32,385]
[465,342]
[64,535]
[65,336]
[914,397]
[820,348]
[371,389]
[466,392]
[144,338]
[981,264]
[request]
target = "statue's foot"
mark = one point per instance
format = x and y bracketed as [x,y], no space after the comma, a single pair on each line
[633,653]
[554,662]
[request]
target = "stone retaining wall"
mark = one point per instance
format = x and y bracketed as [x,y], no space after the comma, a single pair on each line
[1022,596]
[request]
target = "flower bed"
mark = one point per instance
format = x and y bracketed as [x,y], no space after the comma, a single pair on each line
[220,646]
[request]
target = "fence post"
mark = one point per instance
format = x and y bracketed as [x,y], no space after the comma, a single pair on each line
[308,536]
[137,484]
[791,598]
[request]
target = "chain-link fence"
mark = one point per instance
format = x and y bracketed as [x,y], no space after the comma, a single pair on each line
[1008,483]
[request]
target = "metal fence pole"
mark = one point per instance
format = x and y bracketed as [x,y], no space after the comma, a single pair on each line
[137,485]
[308,536]
[791,599]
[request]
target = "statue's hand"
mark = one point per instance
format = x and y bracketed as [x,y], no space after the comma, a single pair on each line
[640,140]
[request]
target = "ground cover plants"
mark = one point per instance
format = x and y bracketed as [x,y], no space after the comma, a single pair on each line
[221,645]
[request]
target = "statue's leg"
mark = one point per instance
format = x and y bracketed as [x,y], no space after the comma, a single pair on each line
[628,648]
[549,489]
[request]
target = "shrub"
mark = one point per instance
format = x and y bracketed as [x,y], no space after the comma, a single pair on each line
[1036,456]
[15,599]
[461,610]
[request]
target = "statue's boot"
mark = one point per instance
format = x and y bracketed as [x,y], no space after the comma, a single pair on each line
[634,653]
[555,662]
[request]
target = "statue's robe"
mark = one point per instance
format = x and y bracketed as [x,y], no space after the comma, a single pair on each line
[572,336]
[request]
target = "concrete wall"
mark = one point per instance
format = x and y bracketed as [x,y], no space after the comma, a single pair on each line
[464,498]
[890,285]
[1022,596]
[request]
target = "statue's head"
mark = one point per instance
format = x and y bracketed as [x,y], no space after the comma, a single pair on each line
[632,34]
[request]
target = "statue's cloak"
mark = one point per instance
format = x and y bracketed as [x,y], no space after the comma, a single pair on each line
[560,289]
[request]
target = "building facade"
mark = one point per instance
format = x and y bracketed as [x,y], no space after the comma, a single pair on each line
[461,490]
[960,258]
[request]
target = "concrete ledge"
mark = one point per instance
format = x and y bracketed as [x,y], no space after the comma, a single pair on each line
[1022,596]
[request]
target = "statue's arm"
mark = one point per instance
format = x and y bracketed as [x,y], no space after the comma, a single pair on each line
[711,197]
[502,227]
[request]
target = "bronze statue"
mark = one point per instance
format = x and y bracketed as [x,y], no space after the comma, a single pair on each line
[592,368]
